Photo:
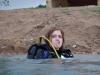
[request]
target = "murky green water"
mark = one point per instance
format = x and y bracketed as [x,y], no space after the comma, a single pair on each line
[79,65]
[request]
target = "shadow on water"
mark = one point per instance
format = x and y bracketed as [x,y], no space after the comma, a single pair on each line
[79,65]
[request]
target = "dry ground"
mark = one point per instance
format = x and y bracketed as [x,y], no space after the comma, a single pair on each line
[20,28]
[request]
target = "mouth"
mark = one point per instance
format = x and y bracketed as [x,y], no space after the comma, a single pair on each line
[58,42]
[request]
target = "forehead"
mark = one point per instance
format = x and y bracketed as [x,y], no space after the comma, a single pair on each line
[56,32]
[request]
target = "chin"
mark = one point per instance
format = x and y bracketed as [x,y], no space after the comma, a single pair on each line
[57,46]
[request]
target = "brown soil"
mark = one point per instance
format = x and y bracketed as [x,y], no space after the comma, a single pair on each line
[20,28]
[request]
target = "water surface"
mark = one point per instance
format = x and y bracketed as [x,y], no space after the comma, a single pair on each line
[79,65]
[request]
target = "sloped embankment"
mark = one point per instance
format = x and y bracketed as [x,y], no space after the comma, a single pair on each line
[20,28]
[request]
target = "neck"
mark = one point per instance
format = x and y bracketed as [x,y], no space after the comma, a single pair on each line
[57,49]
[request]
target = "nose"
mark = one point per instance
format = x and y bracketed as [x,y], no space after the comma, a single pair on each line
[57,39]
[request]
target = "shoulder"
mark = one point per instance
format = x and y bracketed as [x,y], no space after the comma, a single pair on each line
[34,47]
[36,51]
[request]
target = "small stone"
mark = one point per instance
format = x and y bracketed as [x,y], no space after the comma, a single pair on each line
[74,46]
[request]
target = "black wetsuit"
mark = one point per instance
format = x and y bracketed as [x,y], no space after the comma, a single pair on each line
[44,52]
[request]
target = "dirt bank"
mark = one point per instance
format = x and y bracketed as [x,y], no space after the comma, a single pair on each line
[20,28]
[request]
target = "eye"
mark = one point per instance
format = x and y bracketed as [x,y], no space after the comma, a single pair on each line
[53,36]
[59,36]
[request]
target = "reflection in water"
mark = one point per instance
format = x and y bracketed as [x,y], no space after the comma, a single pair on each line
[79,65]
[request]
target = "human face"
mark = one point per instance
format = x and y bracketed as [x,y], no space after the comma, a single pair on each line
[56,39]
